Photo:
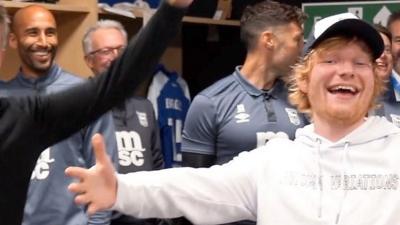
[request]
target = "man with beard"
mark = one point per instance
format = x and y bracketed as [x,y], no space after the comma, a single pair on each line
[246,109]
[34,35]
[344,168]
[249,107]
[30,124]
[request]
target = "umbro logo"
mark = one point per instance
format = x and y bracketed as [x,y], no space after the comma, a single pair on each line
[241,115]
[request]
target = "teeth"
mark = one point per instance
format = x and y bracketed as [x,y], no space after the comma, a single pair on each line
[344,88]
[382,64]
[41,53]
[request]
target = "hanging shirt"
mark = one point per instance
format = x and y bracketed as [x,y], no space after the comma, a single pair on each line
[169,95]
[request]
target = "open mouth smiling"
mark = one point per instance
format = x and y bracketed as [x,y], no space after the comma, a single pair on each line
[343,89]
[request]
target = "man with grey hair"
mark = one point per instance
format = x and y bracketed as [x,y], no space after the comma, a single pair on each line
[136,128]
[112,37]
[30,124]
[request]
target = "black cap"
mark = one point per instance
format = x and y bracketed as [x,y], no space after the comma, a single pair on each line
[345,24]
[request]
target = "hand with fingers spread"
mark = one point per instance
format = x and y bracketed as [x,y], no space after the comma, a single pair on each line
[97,186]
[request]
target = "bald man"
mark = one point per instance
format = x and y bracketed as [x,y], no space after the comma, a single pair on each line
[30,124]
[34,36]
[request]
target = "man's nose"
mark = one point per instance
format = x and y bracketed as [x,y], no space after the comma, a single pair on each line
[346,69]
[42,39]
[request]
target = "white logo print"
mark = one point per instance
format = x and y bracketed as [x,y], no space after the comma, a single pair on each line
[130,148]
[241,115]
[42,168]
[264,137]
[293,116]
[395,119]
[142,116]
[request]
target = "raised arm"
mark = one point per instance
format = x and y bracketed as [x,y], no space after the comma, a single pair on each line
[66,112]
[31,124]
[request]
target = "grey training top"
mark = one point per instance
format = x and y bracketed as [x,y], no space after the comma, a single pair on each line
[232,116]
[48,201]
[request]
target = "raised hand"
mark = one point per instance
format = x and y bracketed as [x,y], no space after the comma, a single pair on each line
[180,3]
[97,186]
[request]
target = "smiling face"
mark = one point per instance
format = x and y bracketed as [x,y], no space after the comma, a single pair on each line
[34,35]
[385,62]
[340,85]
[107,44]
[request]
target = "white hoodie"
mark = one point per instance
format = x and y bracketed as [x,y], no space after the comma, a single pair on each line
[310,181]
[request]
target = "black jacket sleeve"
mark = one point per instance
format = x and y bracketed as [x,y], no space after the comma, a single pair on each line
[87,102]
[156,151]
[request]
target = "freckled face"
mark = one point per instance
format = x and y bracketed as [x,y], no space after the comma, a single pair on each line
[385,62]
[341,83]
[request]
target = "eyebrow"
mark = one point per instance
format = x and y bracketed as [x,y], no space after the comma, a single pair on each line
[36,27]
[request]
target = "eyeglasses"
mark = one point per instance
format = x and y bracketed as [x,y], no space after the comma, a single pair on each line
[106,52]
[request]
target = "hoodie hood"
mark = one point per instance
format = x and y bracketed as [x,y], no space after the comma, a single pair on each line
[373,128]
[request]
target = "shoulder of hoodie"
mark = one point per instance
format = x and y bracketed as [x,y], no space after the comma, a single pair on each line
[275,150]
[279,145]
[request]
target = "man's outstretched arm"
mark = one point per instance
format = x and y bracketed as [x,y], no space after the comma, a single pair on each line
[223,193]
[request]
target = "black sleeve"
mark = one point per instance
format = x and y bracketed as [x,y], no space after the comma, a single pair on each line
[63,113]
[156,151]
[30,124]
[197,160]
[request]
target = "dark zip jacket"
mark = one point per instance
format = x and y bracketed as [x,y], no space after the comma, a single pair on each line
[47,201]
[28,125]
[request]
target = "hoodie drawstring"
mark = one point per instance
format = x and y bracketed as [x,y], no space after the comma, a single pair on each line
[345,163]
[320,186]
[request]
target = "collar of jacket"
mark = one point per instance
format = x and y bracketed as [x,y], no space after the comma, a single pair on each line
[43,80]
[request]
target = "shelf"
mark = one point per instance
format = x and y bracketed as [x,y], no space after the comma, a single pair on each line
[57,8]
[73,18]
[187,19]
[201,20]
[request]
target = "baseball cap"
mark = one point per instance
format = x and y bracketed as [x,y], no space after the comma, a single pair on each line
[348,25]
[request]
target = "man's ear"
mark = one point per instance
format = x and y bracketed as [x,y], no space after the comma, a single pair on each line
[89,61]
[303,85]
[267,39]
[12,41]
